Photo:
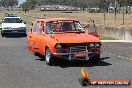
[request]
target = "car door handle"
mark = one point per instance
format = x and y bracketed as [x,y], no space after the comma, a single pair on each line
[30,36]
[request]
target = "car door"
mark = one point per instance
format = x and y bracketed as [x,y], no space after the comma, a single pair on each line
[29,39]
[34,36]
[40,39]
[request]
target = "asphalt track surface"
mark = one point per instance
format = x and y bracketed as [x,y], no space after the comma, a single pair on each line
[21,69]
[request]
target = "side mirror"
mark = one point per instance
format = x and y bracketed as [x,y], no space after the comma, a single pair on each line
[24,22]
[31,30]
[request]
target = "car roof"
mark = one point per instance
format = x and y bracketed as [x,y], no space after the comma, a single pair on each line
[56,19]
[11,17]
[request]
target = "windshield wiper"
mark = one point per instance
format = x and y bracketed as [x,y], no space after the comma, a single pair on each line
[74,32]
[69,32]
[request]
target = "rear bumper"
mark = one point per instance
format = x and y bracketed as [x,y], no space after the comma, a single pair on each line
[69,56]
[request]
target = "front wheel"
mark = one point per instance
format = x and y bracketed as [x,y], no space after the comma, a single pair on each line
[48,57]
[36,54]
[95,59]
[2,34]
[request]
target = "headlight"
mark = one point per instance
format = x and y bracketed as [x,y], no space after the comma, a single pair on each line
[97,45]
[91,45]
[58,46]
[94,45]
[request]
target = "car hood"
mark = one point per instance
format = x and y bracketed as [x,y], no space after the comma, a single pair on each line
[13,25]
[74,38]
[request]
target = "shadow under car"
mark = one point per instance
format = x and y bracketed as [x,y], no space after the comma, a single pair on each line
[65,64]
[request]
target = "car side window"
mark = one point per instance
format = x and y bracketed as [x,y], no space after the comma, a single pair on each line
[42,28]
[36,28]
[78,26]
[67,26]
[49,28]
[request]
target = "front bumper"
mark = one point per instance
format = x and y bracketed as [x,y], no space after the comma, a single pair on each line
[13,31]
[70,56]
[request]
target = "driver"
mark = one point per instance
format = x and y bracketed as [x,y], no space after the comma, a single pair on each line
[58,27]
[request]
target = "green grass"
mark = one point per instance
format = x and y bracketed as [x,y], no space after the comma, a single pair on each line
[83,17]
[106,38]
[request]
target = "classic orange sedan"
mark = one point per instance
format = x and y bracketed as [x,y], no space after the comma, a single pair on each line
[62,38]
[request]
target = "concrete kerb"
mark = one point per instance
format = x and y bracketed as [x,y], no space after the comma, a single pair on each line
[119,41]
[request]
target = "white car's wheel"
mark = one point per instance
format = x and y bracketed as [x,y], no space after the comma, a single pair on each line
[2,34]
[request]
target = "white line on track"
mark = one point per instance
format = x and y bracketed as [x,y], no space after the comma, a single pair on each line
[119,56]
[123,41]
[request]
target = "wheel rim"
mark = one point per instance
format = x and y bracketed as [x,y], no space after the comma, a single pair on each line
[47,55]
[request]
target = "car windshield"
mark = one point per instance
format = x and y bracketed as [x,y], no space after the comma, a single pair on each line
[62,27]
[12,20]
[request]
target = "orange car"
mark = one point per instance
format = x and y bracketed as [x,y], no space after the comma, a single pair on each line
[62,38]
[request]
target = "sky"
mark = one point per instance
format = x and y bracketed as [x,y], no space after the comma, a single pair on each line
[21,1]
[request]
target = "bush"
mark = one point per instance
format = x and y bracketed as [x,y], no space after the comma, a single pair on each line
[94,10]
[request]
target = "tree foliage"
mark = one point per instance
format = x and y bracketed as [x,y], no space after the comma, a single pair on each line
[25,6]
[7,3]
[103,4]
[125,2]
[31,3]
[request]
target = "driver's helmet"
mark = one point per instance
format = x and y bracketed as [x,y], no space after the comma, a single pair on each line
[66,27]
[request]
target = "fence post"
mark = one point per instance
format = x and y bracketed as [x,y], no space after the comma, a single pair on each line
[123,16]
[104,18]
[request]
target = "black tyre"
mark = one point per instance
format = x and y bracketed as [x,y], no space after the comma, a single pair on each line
[2,34]
[49,57]
[36,54]
[25,35]
[95,59]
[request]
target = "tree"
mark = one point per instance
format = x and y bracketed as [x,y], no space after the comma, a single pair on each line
[104,4]
[31,3]
[10,3]
[124,2]
[25,6]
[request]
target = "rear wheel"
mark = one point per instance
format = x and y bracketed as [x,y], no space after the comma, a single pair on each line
[48,57]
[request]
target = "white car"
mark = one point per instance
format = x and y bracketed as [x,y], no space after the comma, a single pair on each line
[13,25]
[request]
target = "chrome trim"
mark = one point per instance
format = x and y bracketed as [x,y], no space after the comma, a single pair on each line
[87,58]
[63,54]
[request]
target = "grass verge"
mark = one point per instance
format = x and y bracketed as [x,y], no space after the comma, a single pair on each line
[106,38]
